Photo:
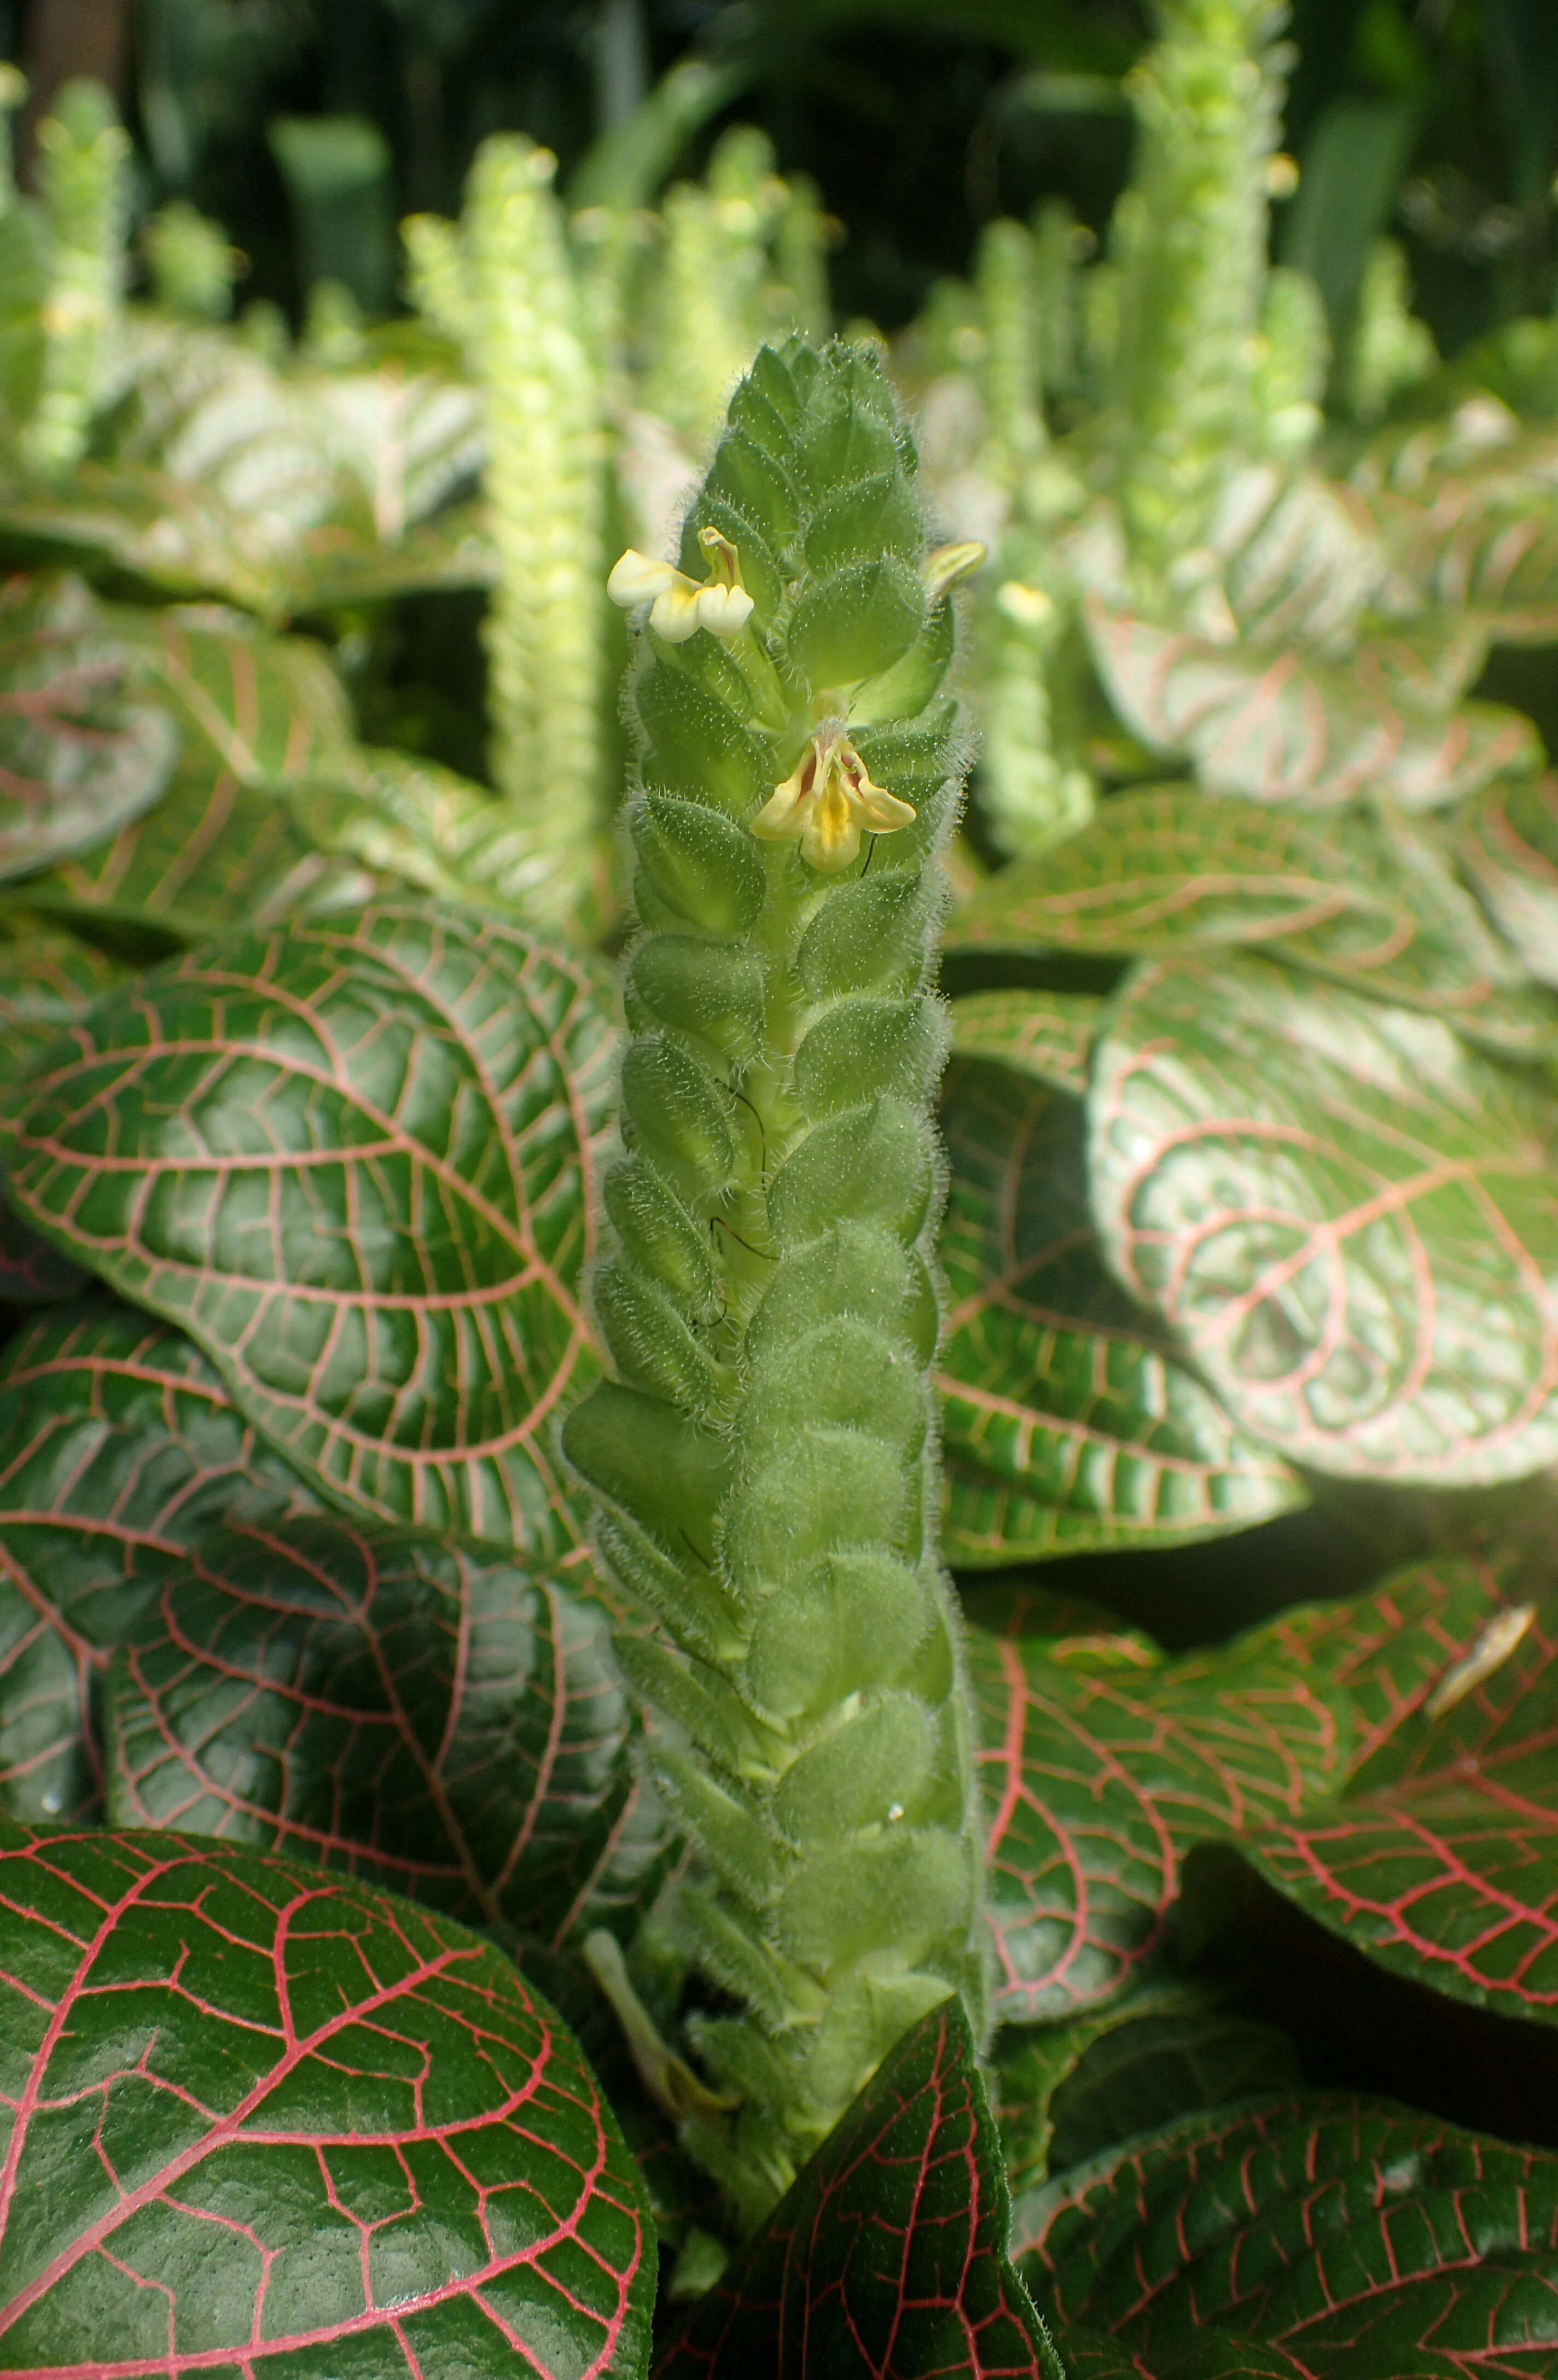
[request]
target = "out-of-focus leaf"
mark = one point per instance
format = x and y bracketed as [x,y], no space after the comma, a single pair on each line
[352,1158]
[268,709]
[337,566]
[1360,2239]
[177,538]
[1464,509]
[1067,1423]
[118,1444]
[1299,559]
[888,2254]
[1100,1768]
[1287,727]
[1046,1033]
[1363,900]
[47,978]
[214,853]
[1348,1217]
[1509,849]
[414,818]
[263,2114]
[450,1727]
[1449,1874]
[81,749]
[411,440]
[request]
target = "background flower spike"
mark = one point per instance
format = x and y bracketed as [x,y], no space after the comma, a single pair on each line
[796,784]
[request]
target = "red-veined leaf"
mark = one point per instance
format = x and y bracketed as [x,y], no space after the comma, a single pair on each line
[118,1447]
[1449,1874]
[451,1727]
[888,2254]
[263,2118]
[1348,1217]
[1101,1765]
[1360,2239]
[1068,1423]
[352,1158]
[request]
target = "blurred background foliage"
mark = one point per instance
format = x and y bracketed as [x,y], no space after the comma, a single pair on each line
[309,128]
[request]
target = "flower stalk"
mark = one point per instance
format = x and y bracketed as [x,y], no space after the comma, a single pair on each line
[764,1460]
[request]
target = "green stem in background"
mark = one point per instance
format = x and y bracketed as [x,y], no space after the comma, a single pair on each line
[193,263]
[504,286]
[1190,237]
[765,1458]
[83,155]
[1033,793]
[708,312]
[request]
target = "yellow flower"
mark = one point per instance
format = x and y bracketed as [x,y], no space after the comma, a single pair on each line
[678,606]
[826,800]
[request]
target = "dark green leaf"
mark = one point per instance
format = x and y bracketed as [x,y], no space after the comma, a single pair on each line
[1066,2092]
[1216,2355]
[1509,849]
[1366,901]
[1046,1033]
[451,1727]
[1101,1764]
[1069,1423]
[266,2119]
[1448,1874]
[1285,726]
[1363,2240]
[352,1158]
[1350,1219]
[118,1447]
[889,2253]
[81,750]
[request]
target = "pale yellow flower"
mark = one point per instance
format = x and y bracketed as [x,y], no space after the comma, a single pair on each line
[826,801]
[678,605]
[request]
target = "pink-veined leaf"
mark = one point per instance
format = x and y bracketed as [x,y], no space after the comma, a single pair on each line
[1349,1219]
[214,853]
[1289,727]
[82,749]
[353,1160]
[450,1727]
[1069,1423]
[1366,901]
[1509,848]
[1046,1033]
[1447,1870]
[265,2118]
[1101,1765]
[1364,2242]
[119,1446]
[888,2254]
[268,709]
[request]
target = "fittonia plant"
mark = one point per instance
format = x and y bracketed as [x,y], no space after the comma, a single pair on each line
[765,1458]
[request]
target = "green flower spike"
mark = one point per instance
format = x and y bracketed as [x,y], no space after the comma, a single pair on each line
[764,1461]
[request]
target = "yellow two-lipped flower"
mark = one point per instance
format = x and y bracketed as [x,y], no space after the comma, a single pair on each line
[826,802]
[678,605]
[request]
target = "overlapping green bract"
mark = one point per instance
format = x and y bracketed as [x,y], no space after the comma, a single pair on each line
[263,2114]
[763,1459]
